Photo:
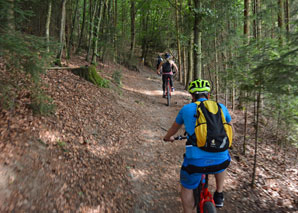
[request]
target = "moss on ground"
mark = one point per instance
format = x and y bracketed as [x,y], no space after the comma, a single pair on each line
[90,74]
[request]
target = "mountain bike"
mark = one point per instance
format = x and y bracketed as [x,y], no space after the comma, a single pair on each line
[203,198]
[168,91]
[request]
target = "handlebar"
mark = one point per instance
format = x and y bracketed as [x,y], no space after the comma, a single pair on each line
[180,137]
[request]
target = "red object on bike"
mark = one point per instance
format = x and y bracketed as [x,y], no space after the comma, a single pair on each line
[205,195]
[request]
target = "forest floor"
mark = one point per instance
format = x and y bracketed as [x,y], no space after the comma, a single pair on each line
[102,151]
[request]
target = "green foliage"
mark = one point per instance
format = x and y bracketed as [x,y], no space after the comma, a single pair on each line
[7,96]
[25,57]
[41,104]
[117,75]
[90,74]
[96,79]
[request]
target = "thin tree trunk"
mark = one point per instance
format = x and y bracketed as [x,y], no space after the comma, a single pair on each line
[95,44]
[281,20]
[190,53]
[246,30]
[62,32]
[72,29]
[132,27]
[216,68]
[184,65]
[83,27]
[178,40]
[287,16]
[91,29]
[256,138]
[197,41]
[244,130]
[115,15]
[48,25]
[10,16]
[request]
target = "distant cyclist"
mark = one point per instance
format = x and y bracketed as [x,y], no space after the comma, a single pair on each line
[197,161]
[168,68]
[159,60]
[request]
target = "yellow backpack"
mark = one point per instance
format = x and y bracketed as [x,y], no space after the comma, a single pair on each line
[212,132]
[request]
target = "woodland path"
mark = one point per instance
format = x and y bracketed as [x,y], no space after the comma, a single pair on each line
[102,151]
[154,165]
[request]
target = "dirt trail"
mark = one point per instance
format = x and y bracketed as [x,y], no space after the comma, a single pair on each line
[102,151]
[154,165]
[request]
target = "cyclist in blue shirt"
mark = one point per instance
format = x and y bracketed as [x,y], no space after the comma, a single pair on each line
[194,157]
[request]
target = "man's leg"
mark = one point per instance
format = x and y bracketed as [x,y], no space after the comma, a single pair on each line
[188,201]
[218,194]
[163,84]
[220,178]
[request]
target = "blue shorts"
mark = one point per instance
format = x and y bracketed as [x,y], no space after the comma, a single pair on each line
[192,180]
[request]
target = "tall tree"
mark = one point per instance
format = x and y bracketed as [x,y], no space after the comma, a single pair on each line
[10,16]
[281,19]
[91,27]
[83,27]
[197,40]
[178,39]
[99,18]
[132,27]
[48,24]
[62,32]
[74,18]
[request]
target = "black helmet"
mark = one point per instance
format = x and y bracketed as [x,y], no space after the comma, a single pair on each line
[167,55]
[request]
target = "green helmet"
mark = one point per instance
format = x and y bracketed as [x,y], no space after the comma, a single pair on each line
[199,86]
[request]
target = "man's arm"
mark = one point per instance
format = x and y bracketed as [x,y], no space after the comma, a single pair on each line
[175,66]
[172,131]
[159,67]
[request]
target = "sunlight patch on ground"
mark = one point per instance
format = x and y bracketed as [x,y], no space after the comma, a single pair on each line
[153,92]
[7,177]
[230,181]
[142,91]
[136,173]
[50,136]
[102,151]
[96,209]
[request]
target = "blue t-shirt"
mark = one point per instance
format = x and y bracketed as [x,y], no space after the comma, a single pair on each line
[187,117]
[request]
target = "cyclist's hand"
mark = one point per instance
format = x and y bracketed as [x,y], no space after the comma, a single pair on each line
[171,139]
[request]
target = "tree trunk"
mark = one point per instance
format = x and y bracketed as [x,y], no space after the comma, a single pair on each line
[256,137]
[281,20]
[48,25]
[178,40]
[216,68]
[91,28]
[83,28]
[197,41]
[184,65]
[190,53]
[115,17]
[244,130]
[62,32]
[257,20]
[246,30]
[72,29]
[132,27]
[10,16]
[287,16]
[95,43]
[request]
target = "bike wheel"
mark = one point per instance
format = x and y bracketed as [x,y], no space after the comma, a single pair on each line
[209,207]
[168,94]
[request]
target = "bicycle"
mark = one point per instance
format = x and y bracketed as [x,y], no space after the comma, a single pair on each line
[203,198]
[168,91]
